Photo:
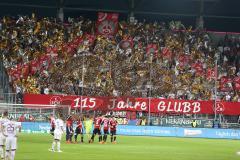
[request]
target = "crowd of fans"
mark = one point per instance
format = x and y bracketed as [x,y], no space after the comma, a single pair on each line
[46,56]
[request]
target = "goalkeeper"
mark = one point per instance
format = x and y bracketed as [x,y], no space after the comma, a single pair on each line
[88,126]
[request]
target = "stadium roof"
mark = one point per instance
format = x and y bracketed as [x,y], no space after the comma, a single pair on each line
[219,15]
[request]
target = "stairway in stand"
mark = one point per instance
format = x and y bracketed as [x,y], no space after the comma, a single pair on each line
[3,82]
[1,95]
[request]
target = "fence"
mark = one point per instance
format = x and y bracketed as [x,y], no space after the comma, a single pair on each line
[9,97]
[5,89]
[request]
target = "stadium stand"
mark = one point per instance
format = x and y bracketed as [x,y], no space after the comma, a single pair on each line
[45,56]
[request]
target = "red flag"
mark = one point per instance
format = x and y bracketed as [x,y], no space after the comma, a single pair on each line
[107,23]
[44,62]
[152,49]
[52,51]
[198,66]
[25,70]
[237,83]
[216,72]
[78,40]
[90,38]
[211,73]
[183,60]
[69,47]
[225,84]
[166,53]
[15,74]
[34,66]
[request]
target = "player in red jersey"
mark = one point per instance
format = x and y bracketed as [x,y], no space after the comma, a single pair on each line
[79,130]
[97,129]
[52,124]
[105,124]
[113,129]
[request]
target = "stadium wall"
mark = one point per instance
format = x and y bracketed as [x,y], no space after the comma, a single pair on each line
[41,127]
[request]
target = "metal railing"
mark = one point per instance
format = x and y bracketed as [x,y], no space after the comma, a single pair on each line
[9,97]
[5,88]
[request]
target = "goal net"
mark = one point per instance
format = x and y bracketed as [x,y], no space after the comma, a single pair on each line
[33,112]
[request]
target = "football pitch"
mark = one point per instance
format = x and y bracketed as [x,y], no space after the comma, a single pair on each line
[35,147]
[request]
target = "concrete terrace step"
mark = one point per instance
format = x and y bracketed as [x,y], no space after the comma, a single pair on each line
[2,101]
[1,98]
[1,95]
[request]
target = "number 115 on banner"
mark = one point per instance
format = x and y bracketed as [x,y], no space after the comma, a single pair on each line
[84,103]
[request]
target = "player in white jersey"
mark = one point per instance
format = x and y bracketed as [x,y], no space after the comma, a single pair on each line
[2,137]
[57,133]
[10,130]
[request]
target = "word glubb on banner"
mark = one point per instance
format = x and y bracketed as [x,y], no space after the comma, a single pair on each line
[135,104]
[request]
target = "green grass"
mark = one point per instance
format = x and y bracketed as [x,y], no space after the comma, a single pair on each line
[35,147]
